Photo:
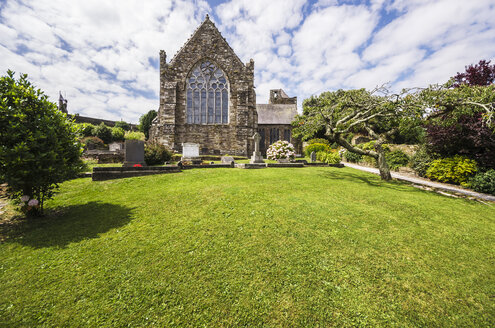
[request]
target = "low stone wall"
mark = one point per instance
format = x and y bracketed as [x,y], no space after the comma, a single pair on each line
[108,173]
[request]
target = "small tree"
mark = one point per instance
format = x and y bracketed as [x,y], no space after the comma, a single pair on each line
[38,144]
[341,112]
[123,125]
[480,74]
[461,121]
[118,134]
[145,122]
[103,132]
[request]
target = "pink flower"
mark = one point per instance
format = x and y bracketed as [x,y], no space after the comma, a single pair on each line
[33,202]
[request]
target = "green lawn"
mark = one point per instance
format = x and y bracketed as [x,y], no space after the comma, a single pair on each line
[289,247]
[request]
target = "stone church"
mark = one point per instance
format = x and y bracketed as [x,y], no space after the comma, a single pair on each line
[207,97]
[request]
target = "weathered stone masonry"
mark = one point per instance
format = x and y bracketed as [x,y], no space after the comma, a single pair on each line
[170,126]
[245,117]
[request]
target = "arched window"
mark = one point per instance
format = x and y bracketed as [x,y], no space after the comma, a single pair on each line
[207,95]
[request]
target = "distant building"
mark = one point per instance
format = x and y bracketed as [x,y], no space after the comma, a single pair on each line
[207,97]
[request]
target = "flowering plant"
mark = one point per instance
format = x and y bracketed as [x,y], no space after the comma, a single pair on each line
[29,206]
[280,150]
[137,165]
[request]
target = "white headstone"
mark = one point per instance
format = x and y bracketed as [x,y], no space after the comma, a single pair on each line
[190,150]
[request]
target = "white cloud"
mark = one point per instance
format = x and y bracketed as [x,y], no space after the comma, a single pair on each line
[100,53]
[96,51]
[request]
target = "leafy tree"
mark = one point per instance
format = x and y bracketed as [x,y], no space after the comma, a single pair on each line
[103,132]
[480,74]
[461,121]
[118,134]
[145,122]
[38,144]
[123,125]
[86,129]
[380,113]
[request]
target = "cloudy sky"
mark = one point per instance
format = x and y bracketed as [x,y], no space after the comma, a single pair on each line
[103,54]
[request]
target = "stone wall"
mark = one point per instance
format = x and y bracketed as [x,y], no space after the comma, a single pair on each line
[170,128]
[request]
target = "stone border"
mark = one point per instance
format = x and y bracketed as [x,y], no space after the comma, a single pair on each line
[118,172]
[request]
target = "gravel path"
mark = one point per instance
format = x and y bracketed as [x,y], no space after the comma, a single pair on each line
[425,182]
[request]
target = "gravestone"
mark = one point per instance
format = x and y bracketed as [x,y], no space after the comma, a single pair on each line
[312,157]
[190,153]
[227,159]
[134,153]
[116,146]
[256,158]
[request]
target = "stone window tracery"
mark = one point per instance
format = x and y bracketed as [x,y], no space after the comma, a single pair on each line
[207,95]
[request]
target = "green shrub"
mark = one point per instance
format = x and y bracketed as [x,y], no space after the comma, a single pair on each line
[396,159]
[134,135]
[421,161]
[85,129]
[93,143]
[118,134]
[318,140]
[352,157]
[332,158]
[321,156]
[370,145]
[455,169]
[316,147]
[121,124]
[103,132]
[156,153]
[483,182]
[38,144]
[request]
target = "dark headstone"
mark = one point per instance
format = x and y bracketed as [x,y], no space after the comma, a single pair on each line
[134,153]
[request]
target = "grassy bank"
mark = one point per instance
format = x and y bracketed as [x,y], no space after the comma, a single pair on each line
[270,247]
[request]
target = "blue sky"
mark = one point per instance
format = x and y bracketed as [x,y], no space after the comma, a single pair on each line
[103,54]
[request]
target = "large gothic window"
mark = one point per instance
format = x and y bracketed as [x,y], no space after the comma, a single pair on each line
[207,97]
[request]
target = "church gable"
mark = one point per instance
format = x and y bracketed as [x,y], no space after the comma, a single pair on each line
[207,42]
[206,96]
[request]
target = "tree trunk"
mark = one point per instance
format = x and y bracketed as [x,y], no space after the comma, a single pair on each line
[382,163]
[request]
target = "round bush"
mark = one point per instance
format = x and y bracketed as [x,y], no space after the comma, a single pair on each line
[280,150]
[421,161]
[103,132]
[134,136]
[118,134]
[484,182]
[156,153]
[85,129]
[316,147]
[93,143]
[352,157]
[455,169]
[396,159]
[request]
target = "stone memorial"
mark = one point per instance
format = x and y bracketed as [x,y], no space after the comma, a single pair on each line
[256,158]
[227,159]
[116,146]
[312,157]
[134,153]
[190,153]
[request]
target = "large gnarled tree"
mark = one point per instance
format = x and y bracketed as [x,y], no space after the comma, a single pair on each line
[378,112]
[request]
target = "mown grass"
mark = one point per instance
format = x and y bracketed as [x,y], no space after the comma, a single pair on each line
[272,247]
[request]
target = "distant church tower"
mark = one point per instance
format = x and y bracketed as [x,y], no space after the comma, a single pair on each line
[62,103]
[206,97]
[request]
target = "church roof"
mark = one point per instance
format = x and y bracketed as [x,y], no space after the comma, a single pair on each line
[198,31]
[276,113]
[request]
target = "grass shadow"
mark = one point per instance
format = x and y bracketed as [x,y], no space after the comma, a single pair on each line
[371,180]
[64,225]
